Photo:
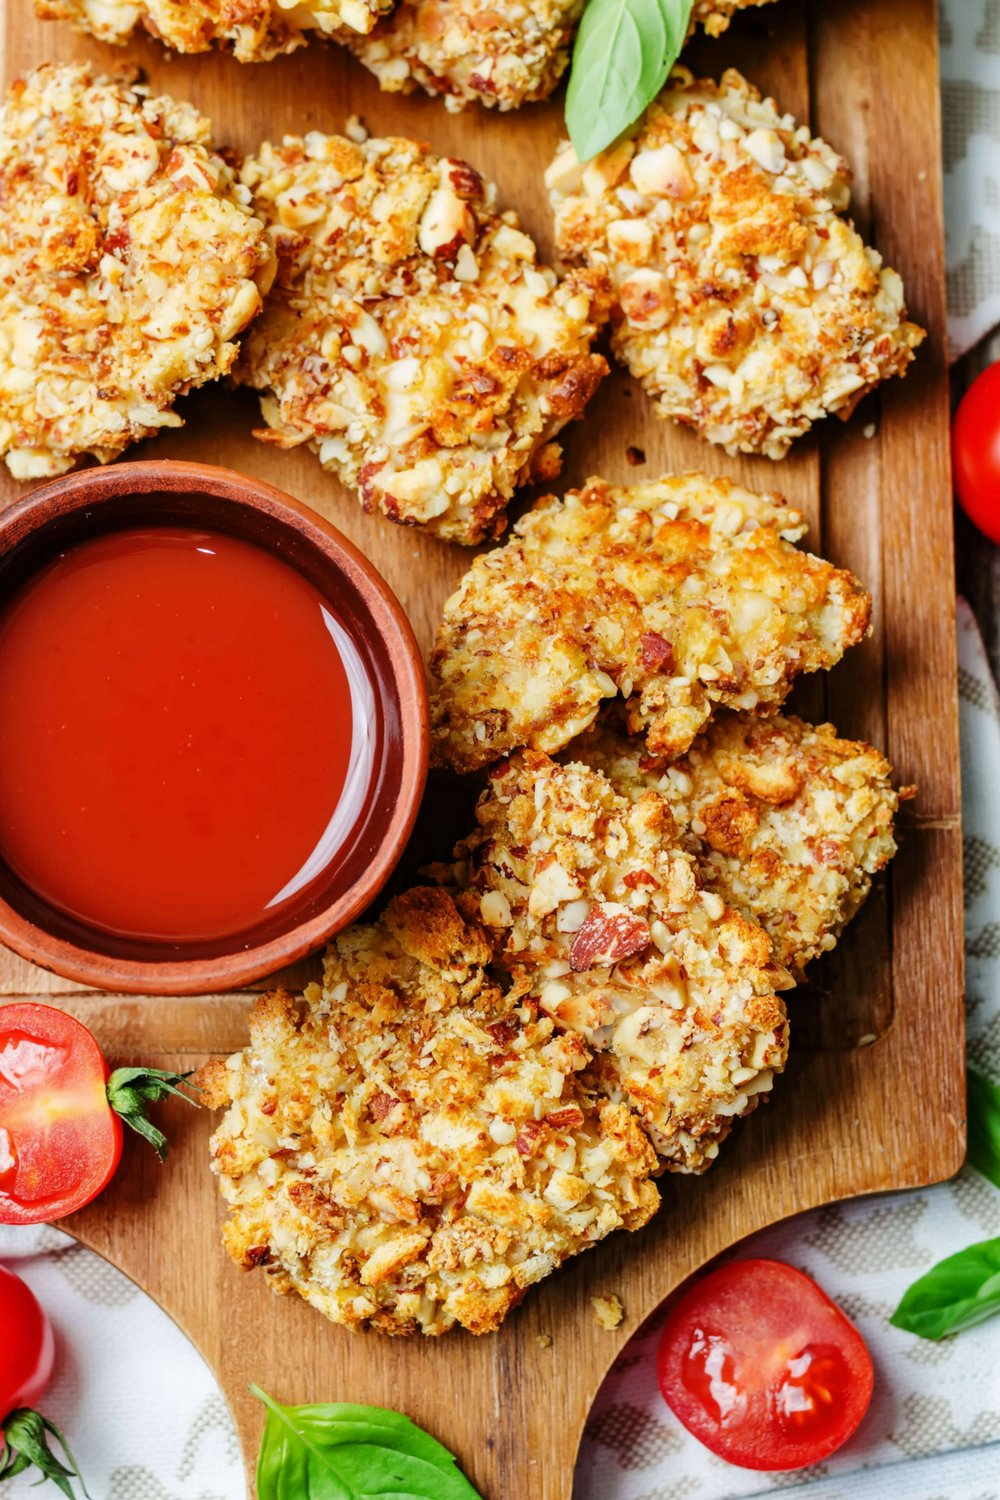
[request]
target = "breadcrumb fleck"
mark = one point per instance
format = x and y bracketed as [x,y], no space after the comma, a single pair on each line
[608,1310]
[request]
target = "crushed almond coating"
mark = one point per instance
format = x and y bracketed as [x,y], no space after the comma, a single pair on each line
[130,265]
[412,339]
[503,53]
[499,52]
[598,915]
[680,595]
[786,822]
[715,15]
[413,1150]
[255,29]
[746,305]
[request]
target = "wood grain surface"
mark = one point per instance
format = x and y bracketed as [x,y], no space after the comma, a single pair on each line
[847,1118]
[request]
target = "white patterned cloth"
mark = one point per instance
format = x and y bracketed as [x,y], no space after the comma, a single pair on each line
[935,1415]
[139,1406]
[970,96]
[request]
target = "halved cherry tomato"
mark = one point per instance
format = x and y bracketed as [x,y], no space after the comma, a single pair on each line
[60,1140]
[762,1367]
[975,451]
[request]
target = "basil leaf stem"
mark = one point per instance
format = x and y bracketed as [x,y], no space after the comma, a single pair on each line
[341,1451]
[622,57]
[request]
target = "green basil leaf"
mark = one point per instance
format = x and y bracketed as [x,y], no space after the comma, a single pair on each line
[984,1126]
[955,1294]
[340,1451]
[623,54]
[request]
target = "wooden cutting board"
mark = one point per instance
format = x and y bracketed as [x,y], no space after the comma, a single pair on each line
[874,1094]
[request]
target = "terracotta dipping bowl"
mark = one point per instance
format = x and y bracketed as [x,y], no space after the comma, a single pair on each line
[94,500]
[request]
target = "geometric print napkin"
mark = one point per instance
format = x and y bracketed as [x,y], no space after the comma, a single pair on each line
[970,106]
[139,1406]
[933,1429]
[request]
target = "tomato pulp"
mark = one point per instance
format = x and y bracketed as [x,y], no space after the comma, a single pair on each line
[60,1141]
[180,715]
[762,1367]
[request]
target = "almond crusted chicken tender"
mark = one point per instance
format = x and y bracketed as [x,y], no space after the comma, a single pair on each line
[499,52]
[129,265]
[255,29]
[412,339]
[746,305]
[604,924]
[411,1150]
[680,596]
[715,15]
[786,822]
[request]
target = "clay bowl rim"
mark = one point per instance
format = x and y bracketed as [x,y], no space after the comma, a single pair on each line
[71,960]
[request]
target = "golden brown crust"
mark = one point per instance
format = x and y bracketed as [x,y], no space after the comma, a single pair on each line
[598,916]
[412,1149]
[747,305]
[680,596]
[412,339]
[255,29]
[129,265]
[503,53]
[786,822]
[715,15]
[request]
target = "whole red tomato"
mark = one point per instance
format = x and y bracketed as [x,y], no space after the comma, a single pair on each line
[27,1354]
[27,1349]
[762,1367]
[975,451]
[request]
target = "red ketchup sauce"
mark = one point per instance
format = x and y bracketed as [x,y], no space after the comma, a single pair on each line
[185,734]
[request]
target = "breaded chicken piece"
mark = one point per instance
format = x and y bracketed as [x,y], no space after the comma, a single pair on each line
[604,924]
[412,339]
[129,265]
[500,52]
[411,1150]
[746,304]
[503,53]
[681,596]
[715,15]
[785,821]
[255,29]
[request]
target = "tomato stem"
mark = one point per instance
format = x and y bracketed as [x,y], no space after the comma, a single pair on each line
[25,1442]
[130,1092]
